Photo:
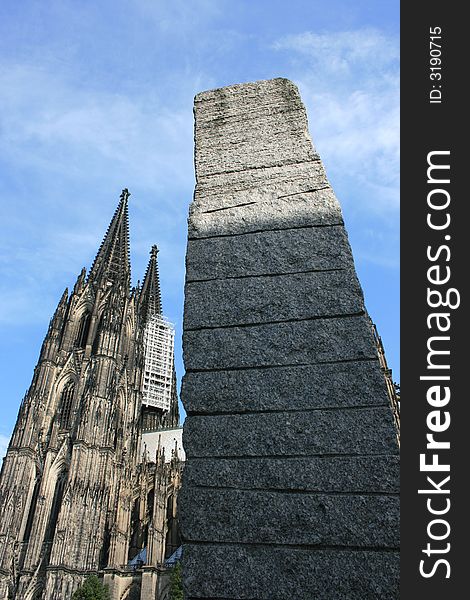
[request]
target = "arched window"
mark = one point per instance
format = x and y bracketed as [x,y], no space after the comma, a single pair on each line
[135,545]
[97,336]
[173,537]
[83,330]
[66,398]
[104,552]
[54,514]
[32,510]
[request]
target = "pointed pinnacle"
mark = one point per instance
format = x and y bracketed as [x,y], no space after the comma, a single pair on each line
[150,298]
[60,310]
[112,261]
[62,304]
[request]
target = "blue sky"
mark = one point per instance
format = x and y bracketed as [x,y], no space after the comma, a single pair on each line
[97,96]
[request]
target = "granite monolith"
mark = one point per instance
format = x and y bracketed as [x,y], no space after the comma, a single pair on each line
[291,484]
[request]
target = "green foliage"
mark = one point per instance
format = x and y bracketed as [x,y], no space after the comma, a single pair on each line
[92,589]
[176,583]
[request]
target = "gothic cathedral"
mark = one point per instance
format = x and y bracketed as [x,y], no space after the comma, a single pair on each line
[91,476]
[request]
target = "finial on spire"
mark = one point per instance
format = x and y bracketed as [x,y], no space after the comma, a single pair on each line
[64,298]
[150,298]
[59,314]
[112,261]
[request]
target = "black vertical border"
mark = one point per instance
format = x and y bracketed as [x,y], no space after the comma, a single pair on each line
[427,127]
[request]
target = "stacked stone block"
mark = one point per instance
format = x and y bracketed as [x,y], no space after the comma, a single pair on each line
[291,483]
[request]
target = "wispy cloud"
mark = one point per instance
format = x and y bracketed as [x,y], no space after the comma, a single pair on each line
[344,51]
[350,83]
[188,15]
[81,147]
[4,441]
[98,96]
[53,124]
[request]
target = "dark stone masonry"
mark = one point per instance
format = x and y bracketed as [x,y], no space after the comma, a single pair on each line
[291,484]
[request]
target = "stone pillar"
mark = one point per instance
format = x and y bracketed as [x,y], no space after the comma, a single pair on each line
[148,590]
[290,488]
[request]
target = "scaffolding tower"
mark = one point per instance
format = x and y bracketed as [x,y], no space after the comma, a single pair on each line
[159,335]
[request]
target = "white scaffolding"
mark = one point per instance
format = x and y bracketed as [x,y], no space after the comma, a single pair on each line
[159,335]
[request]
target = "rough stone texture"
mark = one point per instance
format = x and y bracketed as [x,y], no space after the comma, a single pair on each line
[288,343]
[260,572]
[237,187]
[268,253]
[291,484]
[353,474]
[251,212]
[357,431]
[267,299]
[245,390]
[247,516]
[264,114]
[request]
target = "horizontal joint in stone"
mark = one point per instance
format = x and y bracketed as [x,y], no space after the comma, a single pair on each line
[313,433]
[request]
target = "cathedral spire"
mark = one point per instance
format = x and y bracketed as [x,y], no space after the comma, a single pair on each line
[112,261]
[54,333]
[62,306]
[59,315]
[150,297]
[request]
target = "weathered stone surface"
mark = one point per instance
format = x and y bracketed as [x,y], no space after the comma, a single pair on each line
[247,516]
[354,474]
[224,157]
[252,210]
[290,439]
[267,299]
[277,127]
[285,388]
[298,342]
[268,253]
[280,573]
[230,189]
[356,431]
[247,99]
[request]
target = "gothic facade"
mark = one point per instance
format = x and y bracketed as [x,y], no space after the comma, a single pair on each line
[76,496]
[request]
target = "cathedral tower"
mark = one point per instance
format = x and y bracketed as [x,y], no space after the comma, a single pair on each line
[74,464]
